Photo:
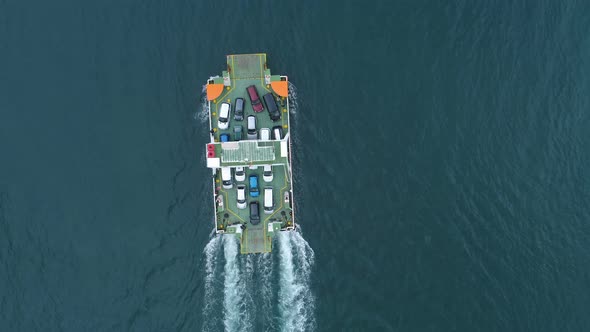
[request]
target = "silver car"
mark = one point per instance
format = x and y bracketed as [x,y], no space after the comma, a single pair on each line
[252,127]
[264,134]
[267,173]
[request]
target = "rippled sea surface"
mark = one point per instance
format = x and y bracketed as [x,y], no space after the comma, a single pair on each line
[441,155]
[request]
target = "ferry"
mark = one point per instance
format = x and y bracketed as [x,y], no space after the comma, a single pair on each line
[249,152]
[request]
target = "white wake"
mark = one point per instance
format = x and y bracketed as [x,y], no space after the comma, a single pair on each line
[293,101]
[296,301]
[259,292]
[264,265]
[211,251]
[202,113]
[236,314]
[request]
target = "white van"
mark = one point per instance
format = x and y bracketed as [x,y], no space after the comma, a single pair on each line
[268,201]
[226,177]
[223,121]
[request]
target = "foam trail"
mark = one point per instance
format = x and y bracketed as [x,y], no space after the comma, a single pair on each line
[211,263]
[296,302]
[264,264]
[236,316]
[305,259]
[249,289]
[293,105]
[305,255]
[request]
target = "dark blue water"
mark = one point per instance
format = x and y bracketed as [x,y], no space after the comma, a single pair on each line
[441,157]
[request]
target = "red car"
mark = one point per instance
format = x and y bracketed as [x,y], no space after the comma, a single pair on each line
[255,99]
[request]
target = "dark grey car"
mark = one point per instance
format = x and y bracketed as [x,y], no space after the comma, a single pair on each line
[239,109]
[254,213]
[271,106]
[238,133]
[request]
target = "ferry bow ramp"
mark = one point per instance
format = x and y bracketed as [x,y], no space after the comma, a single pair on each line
[249,152]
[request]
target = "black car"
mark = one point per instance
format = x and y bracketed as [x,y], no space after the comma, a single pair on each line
[271,106]
[254,213]
[239,109]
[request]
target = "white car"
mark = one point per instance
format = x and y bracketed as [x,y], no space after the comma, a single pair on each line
[223,121]
[264,134]
[241,197]
[267,173]
[240,174]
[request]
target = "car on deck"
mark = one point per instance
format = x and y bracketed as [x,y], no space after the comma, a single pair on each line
[254,99]
[253,181]
[264,134]
[277,133]
[241,197]
[252,135]
[239,109]
[254,213]
[271,106]
[223,120]
[240,174]
[267,173]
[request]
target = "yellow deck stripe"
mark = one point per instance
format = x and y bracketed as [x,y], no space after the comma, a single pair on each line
[227,205]
[244,245]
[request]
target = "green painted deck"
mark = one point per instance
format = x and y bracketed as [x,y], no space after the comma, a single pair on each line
[243,71]
[255,236]
[242,75]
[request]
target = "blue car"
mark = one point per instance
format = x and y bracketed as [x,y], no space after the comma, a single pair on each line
[254,186]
